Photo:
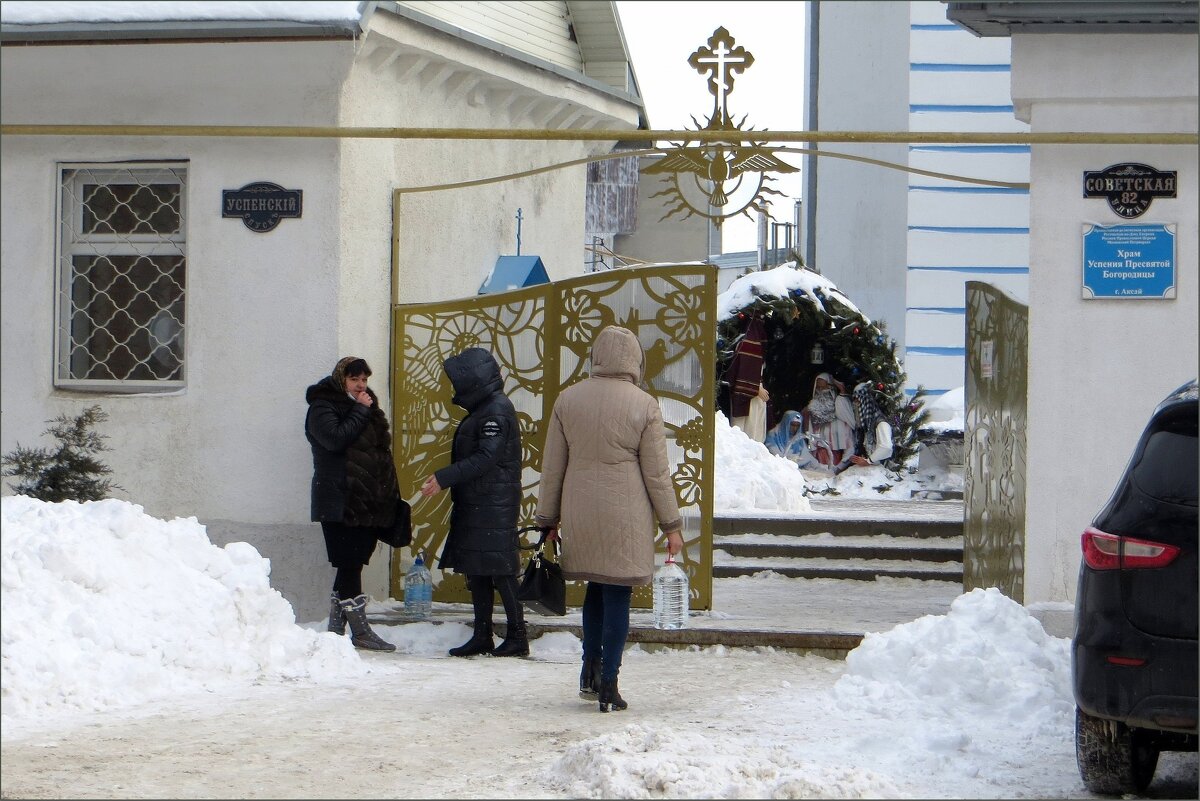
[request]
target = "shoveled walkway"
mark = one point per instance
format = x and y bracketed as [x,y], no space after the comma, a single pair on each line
[821,615]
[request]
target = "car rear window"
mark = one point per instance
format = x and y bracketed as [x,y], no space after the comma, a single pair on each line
[1167,470]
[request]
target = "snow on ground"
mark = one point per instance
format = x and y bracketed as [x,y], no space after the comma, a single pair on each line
[749,477]
[105,606]
[137,649]
[946,411]
[138,657]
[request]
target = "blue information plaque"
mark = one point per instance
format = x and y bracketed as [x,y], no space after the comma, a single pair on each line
[1129,261]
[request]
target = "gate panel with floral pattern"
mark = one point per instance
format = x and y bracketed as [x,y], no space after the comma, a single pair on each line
[542,338]
[994,498]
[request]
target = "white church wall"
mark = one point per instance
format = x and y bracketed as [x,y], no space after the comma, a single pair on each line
[1007,163]
[933,328]
[1097,367]
[930,247]
[951,87]
[936,47]
[940,289]
[958,82]
[228,447]
[956,207]
[238,340]
[936,369]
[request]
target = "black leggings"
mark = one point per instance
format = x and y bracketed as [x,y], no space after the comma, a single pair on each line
[481,588]
[349,549]
[347,582]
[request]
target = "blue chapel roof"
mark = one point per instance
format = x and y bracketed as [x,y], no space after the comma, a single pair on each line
[514,272]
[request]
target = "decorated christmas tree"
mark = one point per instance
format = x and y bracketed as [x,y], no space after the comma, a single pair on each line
[811,327]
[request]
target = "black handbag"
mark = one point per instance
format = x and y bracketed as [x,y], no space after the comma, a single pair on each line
[399,534]
[543,588]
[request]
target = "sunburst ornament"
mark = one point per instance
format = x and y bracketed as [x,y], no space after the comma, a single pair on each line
[719,179]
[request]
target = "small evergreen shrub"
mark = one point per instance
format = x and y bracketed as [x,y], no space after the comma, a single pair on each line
[69,471]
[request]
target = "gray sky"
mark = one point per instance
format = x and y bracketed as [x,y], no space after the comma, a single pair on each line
[661,37]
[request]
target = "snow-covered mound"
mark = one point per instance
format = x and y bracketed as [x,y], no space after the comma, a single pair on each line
[947,411]
[751,479]
[987,659]
[108,607]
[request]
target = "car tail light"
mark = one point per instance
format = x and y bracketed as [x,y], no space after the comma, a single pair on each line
[1126,661]
[1103,551]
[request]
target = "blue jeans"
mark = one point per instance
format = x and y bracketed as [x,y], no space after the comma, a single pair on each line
[606,625]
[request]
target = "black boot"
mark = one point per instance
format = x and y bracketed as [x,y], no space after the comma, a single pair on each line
[516,642]
[355,610]
[589,679]
[480,642]
[609,697]
[337,618]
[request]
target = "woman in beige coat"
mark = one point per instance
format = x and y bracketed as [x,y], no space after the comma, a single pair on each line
[605,481]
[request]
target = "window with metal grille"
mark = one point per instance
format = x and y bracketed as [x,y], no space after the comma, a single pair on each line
[122,265]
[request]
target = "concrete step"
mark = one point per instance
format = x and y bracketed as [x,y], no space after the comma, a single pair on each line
[838,526]
[829,644]
[832,571]
[823,550]
[860,542]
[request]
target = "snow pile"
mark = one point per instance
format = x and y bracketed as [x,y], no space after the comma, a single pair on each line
[751,481]
[645,761]
[107,607]
[779,282]
[945,706]
[947,411]
[987,662]
[749,478]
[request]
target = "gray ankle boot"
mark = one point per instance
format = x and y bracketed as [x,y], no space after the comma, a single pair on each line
[355,610]
[337,618]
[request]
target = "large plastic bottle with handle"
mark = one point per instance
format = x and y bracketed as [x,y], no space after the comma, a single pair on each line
[418,591]
[670,596]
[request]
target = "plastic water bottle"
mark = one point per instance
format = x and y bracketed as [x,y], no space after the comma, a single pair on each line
[670,596]
[418,591]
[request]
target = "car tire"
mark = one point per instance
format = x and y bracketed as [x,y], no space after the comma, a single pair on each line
[1113,759]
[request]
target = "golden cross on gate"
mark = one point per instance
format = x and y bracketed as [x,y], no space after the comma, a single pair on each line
[722,61]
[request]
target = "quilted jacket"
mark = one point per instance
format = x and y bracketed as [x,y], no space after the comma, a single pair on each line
[606,478]
[484,476]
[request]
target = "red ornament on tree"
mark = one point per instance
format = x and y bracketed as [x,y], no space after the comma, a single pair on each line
[856,329]
[879,386]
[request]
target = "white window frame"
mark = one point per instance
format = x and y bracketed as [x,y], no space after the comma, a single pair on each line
[71,242]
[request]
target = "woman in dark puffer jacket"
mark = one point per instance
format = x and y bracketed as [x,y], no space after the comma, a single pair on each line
[484,478]
[354,487]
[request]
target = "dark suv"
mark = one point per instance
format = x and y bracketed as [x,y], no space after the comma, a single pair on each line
[1133,657]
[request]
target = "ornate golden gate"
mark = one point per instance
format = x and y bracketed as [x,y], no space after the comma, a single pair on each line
[994,505]
[542,337]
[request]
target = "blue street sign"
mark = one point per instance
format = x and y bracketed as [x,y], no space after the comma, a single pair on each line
[1129,261]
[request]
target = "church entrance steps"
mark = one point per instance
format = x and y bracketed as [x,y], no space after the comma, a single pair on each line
[851,539]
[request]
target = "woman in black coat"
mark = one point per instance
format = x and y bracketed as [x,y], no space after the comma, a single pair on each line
[484,478]
[354,487]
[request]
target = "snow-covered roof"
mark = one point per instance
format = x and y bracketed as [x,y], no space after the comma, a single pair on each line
[779,282]
[50,19]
